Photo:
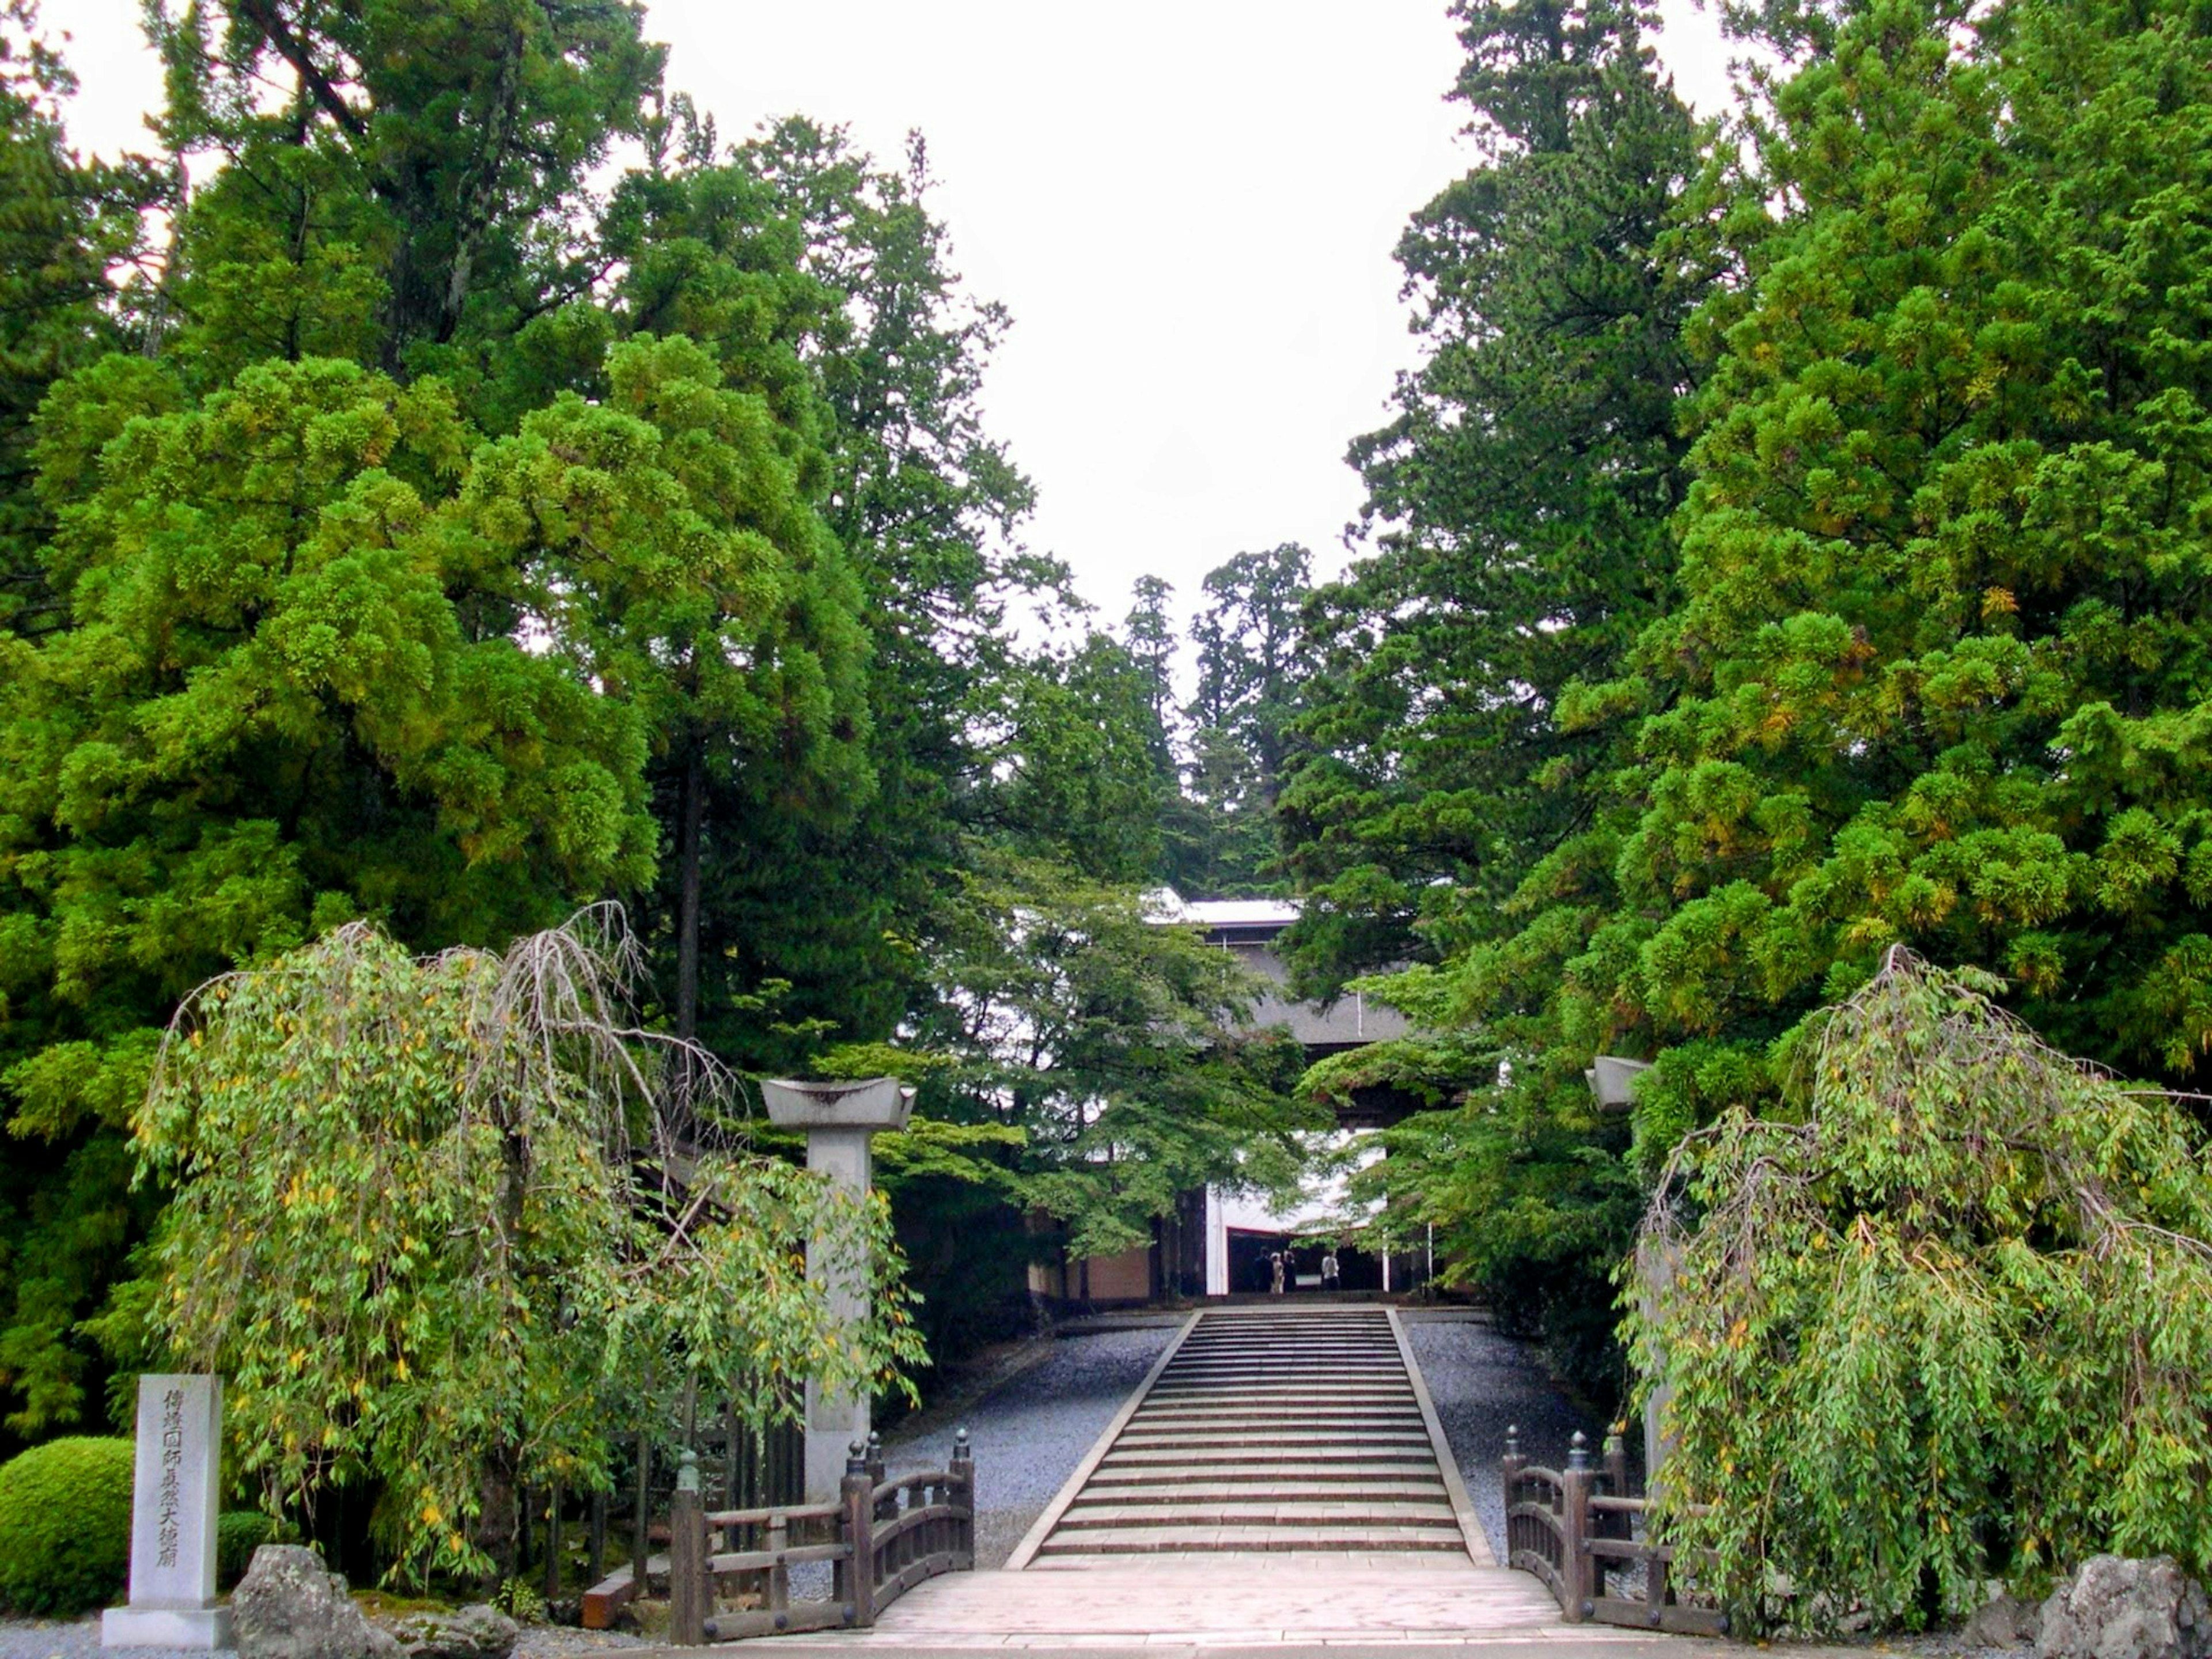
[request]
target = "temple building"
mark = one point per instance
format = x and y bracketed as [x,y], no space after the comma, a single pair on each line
[1220,1243]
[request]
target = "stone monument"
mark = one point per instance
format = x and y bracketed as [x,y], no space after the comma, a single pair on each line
[838,1119]
[172,1511]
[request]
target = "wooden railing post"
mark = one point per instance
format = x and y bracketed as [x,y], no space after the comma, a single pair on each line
[779,1576]
[689,1587]
[889,1507]
[858,1493]
[1575,1572]
[641,1518]
[962,1494]
[1509,1467]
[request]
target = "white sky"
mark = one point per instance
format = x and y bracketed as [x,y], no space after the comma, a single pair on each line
[1188,205]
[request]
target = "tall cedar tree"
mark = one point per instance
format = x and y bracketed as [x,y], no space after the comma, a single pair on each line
[394,576]
[1938,674]
[1250,658]
[1438,805]
[1519,500]
[65,1215]
[797,237]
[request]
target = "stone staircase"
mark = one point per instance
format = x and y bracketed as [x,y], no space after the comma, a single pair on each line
[1277,1428]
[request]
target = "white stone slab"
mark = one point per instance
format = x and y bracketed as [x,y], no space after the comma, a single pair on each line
[192,1628]
[174,1496]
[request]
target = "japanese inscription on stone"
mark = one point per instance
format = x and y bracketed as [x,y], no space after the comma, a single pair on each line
[173,1462]
[174,1493]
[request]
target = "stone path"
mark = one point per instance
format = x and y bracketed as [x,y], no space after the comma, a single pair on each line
[1279,1480]
[1269,1429]
[1226,1599]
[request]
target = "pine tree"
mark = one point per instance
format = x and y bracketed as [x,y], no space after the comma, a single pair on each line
[65,223]
[1521,497]
[1937,674]
[1448,803]
[387,580]
[1250,673]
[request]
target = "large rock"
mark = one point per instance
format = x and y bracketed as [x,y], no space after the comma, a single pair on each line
[476,1632]
[2116,1607]
[2003,1621]
[289,1606]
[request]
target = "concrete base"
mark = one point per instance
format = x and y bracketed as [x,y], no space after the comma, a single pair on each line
[196,1628]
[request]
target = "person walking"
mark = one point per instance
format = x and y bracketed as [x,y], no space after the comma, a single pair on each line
[1331,1279]
[1275,1273]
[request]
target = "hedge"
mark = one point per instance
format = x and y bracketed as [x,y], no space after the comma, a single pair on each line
[66,1526]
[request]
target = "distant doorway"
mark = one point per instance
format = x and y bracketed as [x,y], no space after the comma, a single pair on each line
[1251,1269]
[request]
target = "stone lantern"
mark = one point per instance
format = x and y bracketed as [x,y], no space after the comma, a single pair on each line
[838,1119]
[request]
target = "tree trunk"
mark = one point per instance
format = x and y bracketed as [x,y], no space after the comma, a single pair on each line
[496,1532]
[687,904]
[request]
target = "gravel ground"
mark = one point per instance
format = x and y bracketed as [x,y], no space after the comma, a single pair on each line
[1030,1432]
[1481,1383]
[79,1639]
[55,1639]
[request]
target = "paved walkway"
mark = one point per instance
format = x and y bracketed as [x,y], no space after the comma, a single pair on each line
[1279,1481]
[1268,1599]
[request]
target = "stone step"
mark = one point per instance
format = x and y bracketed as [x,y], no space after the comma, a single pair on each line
[1279,1412]
[1272,1377]
[1261,1492]
[1312,1351]
[1290,1354]
[1284,1376]
[1145,1540]
[1135,1439]
[1279,1406]
[1271,1388]
[1241,1513]
[1269,1489]
[1312,1400]
[1304,1475]
[1267,1453]
[1275,1433]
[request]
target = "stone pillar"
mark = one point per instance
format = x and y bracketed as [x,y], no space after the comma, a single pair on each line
[839,1118]
[1656,1265]
[173,1509]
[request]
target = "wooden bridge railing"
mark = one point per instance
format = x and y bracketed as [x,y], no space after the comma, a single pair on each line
[1577,1529]
[881,1538]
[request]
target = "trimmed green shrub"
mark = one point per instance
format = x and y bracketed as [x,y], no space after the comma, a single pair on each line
[66,1526]
[238,1534]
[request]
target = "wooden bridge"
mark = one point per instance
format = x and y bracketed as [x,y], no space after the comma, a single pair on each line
[1279,1478]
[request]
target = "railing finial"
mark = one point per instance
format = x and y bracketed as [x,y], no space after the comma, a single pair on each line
[1578,1451]
[687,1470]
[962,1452]
[1513,1440]
[856,1458]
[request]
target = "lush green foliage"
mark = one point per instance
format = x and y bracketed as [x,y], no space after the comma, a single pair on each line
[1112,1042]
[1949,1318]
[441,1220]
[64,1218]
[1249,650]
[1794,547]
[439,542]
[1939,653]
[66,1526]
[1521,493]
[1436,808]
